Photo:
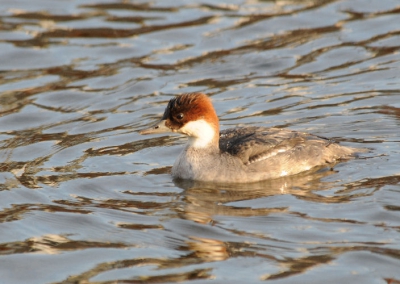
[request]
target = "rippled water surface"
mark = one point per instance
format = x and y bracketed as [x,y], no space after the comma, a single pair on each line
[85,199]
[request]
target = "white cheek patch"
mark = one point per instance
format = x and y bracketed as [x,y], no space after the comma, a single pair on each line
[200,132]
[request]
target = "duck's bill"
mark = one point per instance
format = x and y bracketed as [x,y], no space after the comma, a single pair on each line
[158,128]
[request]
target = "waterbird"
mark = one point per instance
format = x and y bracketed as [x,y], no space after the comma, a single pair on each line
[242,154]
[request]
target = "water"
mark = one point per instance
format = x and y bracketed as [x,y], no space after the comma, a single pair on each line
[85,199]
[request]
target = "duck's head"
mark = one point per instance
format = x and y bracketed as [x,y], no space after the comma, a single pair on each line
[192,115]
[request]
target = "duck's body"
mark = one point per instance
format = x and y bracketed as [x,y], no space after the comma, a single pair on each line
[239,155]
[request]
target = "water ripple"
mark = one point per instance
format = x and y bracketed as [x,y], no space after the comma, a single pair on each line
[84,198]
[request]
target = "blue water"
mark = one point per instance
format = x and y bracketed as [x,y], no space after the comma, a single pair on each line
[85,199]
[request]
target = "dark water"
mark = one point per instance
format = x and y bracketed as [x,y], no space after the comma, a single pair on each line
[85,199]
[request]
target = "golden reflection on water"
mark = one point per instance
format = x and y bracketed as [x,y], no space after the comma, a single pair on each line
[85,199]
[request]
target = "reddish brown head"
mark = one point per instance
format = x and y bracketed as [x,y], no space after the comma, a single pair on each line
[190,107]
[192,115]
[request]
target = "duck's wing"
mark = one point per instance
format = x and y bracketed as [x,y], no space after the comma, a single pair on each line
[253,144]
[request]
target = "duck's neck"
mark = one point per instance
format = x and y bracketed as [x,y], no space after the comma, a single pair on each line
[202,134]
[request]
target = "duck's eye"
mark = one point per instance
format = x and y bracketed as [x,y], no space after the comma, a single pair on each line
[179,116]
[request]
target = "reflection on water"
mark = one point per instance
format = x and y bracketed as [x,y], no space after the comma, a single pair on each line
[85,199]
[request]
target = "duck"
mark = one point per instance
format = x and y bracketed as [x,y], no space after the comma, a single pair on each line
[240,154]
